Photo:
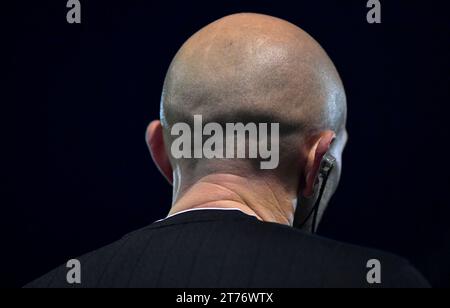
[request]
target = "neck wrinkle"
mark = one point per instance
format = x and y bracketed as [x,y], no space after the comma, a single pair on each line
[253,196]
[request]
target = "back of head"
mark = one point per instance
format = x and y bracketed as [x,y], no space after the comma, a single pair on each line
[253,68]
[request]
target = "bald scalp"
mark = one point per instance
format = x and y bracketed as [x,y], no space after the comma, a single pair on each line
[254,68]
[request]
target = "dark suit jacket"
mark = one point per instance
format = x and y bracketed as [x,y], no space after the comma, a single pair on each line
[214,248]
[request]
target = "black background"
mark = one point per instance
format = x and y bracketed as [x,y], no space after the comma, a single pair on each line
[78,174]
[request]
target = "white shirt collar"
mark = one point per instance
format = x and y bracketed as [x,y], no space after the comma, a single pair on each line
[203,209]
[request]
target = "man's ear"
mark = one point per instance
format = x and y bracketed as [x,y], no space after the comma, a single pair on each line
[155,142]
[320,146]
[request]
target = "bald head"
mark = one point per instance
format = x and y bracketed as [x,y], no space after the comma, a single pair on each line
[252,68]
[250,65]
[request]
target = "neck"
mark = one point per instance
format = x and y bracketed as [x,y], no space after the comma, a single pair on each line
[266,201]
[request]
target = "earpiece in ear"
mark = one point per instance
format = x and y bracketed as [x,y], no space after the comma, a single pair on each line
[326,166]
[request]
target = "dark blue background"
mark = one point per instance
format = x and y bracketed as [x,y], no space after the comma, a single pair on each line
[78,174]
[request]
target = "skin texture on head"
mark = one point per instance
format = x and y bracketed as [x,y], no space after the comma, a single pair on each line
[252,68]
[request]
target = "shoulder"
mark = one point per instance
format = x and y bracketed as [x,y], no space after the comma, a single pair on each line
[295,257]
[91,267]
[337,264]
